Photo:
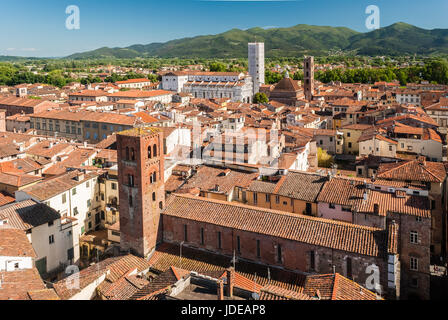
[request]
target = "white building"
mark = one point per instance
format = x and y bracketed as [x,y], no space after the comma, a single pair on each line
[75,196]
[256,65]
[50,237]
[409,97]
[208,85]
[16,253]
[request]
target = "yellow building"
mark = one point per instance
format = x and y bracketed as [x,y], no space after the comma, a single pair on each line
[296,193]
[352,133]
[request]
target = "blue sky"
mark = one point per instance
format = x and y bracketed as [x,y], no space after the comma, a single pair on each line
[37,28]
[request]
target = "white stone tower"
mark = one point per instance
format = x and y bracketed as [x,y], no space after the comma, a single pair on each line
[256,64]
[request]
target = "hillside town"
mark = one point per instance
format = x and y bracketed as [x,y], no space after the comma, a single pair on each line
[205,185]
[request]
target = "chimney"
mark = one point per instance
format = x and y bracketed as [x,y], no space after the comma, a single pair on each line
[220,290]
[230,281]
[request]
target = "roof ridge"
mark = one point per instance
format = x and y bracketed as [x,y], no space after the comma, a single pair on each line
[335,286]
[278,212]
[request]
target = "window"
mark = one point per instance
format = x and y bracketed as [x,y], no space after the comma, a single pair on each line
[154,150]
[277,199]
[153,196]
[433,204]
[73,191]
[332,206]
[75,211]
[132,154]
[185,233]
[70,254]
[160,205]
[258,249]
[414,264]
[349,268]
[64,198]
[149,152]
[131,180]
[268,198]
[130,201]
[87,184]
[348,134]
[219,240]
[308,209]
[255,198]
[414,282]
[202,236]
[414,237]
[312,260]
[114,186]
[50,223]
[349,144]
[279,253]
[51,239]
[238,244]
[89,203]
[127,153]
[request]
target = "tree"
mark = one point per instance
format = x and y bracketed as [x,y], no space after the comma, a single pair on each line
[324,159]
[218,67]
[261,97]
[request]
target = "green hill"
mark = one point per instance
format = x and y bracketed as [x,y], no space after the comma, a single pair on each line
[397,39]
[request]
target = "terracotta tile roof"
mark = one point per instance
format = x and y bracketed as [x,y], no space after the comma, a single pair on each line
[167,255]
[350,193]
[301,186]
[207,177]
[15,243]
[123,288]
[18,180]
[271,292]
[159,283]
[28,214]
[52,187]
[320,232]
[48,149]
[336,287]
[5,198]
[133,81]
[139,94]
[45,294]
[17,284]
[90,93]
[117,267]
[414,170]
[76,158]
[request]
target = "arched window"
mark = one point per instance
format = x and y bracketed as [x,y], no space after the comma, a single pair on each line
[154,150]
[151,179]
[153,196]
[127,153]
[149,152]
[132,154]
[161,205]
[154,177]
[130,180]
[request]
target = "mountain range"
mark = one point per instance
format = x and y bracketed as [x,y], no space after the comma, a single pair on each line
[397,39]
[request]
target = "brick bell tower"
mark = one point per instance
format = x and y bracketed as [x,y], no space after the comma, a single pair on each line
[141,188]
